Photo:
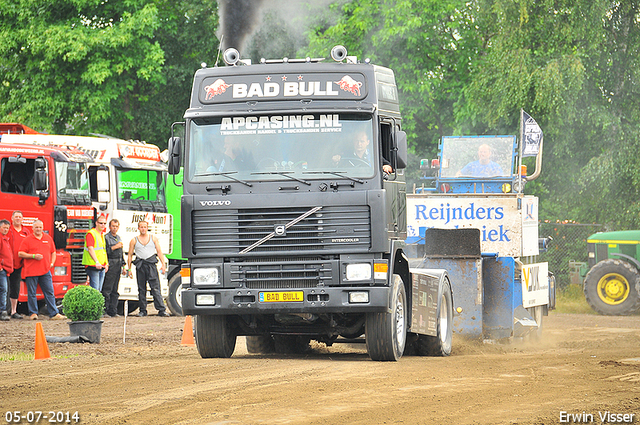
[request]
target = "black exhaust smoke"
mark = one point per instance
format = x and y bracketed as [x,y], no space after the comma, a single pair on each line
[238,20]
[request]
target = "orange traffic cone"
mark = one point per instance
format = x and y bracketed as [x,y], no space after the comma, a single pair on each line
[42,349]
[187,333]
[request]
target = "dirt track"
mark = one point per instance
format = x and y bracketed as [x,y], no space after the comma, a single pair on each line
[581,366]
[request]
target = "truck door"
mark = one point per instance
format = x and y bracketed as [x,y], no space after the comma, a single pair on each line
[395,186]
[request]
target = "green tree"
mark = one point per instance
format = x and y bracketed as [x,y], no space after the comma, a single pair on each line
[469,67]
[573,65]
[187,35]
[78,66]
[431,47]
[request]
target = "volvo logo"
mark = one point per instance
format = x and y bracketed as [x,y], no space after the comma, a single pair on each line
[214,203]
[280,230]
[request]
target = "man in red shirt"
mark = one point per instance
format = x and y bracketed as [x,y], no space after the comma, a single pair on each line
[17,233]
[6,266]
[39,254]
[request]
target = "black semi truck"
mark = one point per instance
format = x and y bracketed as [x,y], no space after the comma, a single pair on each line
[292,229]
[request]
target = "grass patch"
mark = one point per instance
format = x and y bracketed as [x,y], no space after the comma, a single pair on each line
[17,357]
[10,357]
[571,300]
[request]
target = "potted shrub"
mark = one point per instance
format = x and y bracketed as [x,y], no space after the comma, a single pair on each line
[84,306]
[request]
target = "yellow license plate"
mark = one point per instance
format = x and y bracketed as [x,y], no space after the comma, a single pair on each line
[281,297]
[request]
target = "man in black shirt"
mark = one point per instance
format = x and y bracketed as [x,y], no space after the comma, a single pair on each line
[115,254]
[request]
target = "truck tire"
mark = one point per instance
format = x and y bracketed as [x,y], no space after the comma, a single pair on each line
[440,345]
[260,344]
[538,314]
[214,336]
[386,333]
[174,300]
[610,287]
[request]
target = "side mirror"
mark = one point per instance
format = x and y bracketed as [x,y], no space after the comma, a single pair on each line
[401,152]
[40,179]
[175,149]
[102,184]
[41,163]
[40,176]
[102,179]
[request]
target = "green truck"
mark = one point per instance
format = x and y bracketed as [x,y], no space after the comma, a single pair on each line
[174,192]
[612,273]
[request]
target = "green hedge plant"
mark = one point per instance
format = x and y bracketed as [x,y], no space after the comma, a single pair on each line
[83,303]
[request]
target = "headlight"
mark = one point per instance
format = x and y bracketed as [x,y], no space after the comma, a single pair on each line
[205,299]
[358,297]
[359,271]
[206,276]
[59,271]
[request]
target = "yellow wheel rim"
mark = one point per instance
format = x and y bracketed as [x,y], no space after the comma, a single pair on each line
[613,289]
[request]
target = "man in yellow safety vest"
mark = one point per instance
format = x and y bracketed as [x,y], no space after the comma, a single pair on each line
[94,257]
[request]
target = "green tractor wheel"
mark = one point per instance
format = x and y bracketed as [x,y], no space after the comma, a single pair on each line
[610,287]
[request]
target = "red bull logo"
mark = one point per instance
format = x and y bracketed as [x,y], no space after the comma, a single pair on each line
[350,85]
[218,87]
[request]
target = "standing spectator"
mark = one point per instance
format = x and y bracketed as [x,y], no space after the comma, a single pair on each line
[39,254]
[6,266]
[95,254]
[115,254]
[147,250]
[16,235]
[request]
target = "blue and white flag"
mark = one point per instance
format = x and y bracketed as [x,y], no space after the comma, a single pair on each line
[531,136]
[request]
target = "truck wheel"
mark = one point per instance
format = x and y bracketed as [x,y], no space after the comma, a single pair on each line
[386,333]
[610,287]
[214,336]
[537,314]
[174,300]
[440,345]
[260,344]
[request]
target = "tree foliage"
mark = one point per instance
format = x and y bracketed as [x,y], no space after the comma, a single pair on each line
[81,64]
[463,67]
[469,67]
[92,66]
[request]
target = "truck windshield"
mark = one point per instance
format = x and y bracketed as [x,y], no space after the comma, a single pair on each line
[477,157]
[72,179]
[270,147]
[140,189]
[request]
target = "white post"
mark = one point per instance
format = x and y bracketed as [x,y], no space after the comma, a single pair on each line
[126,313]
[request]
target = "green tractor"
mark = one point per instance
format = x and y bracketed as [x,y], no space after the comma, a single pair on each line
[612,274]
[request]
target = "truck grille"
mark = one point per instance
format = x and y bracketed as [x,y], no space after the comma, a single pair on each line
[77,230]
[78,271]
[229,232]
[280,273]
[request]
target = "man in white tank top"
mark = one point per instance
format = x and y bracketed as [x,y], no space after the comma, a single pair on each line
[148,252]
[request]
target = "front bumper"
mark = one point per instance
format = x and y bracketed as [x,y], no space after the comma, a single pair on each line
[319,300]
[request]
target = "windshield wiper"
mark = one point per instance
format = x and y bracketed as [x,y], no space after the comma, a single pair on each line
[74,199]
[226,174]
[160,207]
[336,173]
[151,205]
[285,174]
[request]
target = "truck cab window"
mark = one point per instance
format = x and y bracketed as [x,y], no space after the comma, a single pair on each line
[17,177]
[269,147]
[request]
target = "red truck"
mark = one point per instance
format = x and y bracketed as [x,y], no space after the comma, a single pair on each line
[50,184]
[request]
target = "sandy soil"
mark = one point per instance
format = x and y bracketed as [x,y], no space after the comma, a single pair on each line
[585,364]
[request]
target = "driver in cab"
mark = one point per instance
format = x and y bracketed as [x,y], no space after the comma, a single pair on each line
[483,167]
[360,153]
[234,157]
